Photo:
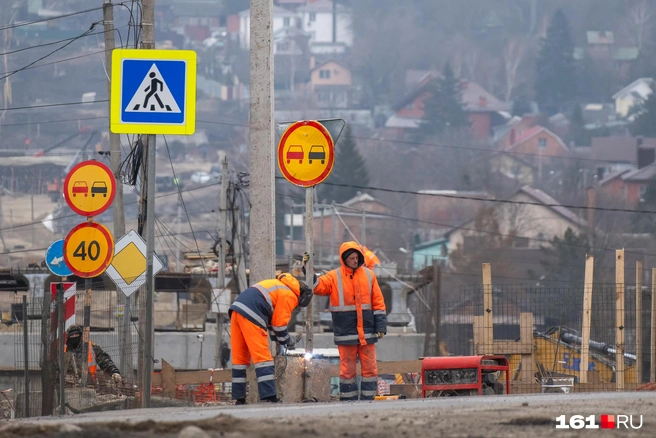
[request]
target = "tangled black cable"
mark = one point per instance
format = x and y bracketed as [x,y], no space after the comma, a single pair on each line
[128,172]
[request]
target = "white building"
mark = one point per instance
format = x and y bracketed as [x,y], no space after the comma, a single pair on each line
[317,20]
[631,95]
[314,18]
[282,18]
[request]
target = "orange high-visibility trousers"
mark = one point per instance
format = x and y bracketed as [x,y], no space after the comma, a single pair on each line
[348,386]
[250,341]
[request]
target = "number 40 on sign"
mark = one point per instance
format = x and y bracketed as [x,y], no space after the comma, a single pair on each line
[88,249]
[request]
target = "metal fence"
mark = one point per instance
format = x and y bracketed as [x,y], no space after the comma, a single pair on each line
[114,323]
[544,328]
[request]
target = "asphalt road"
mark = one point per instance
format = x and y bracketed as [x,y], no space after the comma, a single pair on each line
[493,416]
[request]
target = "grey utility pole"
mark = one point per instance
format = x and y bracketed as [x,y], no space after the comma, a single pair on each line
[148,42]
[262,157]
[117,206]
[220,283]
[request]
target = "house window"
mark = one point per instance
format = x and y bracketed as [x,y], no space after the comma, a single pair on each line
[286,21]
[324,96]
[324,74]
[283,47]
[313,17]
[542,143]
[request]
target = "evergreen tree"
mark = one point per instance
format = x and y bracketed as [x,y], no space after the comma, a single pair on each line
[443,109]
[645,223]
[564,259]
[349,168]
[555,80]
[577,132]
[645,121]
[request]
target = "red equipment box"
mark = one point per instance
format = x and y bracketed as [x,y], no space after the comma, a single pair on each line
[464,375]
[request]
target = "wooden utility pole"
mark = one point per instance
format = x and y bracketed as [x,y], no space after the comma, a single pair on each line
[220,280]
[118,212]
[619,319]
[638,332]
[148,188]
[437,288]
[488,334]
[262,157]
[652,358]
[587,308]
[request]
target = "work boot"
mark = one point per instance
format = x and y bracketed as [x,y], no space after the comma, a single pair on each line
[240,401]
[272,399]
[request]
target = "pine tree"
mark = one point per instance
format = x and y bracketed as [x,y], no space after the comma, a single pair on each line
[555,82]
[443,109]
[645,122]
[349,168]
[577,132]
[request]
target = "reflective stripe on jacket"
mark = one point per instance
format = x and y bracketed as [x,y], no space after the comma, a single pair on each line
[269,304]
[356,301]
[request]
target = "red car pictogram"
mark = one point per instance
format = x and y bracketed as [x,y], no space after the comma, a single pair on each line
[295,152]
[81,188]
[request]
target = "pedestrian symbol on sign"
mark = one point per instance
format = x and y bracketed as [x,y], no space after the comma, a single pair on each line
[153,95]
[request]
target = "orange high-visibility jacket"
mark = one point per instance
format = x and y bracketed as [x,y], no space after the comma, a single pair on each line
[91,359]
[356,302]
[269,304]
[370,259]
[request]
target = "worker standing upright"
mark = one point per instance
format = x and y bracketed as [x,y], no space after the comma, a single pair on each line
[359,319]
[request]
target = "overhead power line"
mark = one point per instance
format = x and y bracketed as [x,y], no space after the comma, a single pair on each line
[57,17]
[475,198]
[439,145]
[53,104]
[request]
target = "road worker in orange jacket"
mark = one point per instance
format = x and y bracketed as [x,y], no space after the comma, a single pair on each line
[370,258]
[359,319]
[265,306]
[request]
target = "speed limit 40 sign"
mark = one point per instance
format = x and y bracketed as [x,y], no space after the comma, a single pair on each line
[88,249]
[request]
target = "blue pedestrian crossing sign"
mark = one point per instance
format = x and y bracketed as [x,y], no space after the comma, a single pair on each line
[153,92]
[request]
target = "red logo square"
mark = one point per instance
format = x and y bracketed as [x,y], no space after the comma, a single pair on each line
[608,421]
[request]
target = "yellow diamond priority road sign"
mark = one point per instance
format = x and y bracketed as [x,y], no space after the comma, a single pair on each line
[128,269]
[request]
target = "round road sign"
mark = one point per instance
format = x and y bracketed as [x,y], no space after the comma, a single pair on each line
[88,249]
[55,259]
[89,188]
[306,153]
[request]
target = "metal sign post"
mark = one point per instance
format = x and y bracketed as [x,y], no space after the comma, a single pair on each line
[309,279]
[60,348]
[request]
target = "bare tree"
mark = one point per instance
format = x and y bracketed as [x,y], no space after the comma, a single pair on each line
[514,53]
[638,23]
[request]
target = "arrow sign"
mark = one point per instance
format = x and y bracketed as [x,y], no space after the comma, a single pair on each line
[55,259]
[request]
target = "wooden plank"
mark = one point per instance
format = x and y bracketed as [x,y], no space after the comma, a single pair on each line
[478,335]
[437,283]
[168,379]
[638,331]
[526,339]
[512,347]
[394,367]
[619,319]
[652,359]
[488,333]
[587,309]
